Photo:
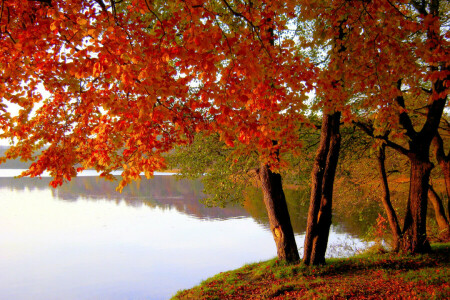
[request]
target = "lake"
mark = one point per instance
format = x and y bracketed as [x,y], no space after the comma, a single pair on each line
[84,240]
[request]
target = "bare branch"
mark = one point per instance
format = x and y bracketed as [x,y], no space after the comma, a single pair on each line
[398,10]
[405,120]
[113,7]
[102,4]
[157,17]
[420,7]
[253,26]
[48,2]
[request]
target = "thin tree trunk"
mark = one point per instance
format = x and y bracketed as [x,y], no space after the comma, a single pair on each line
[444,162]
[279,220]
[320,207]
[439,212]
[446,170]
[414,238]
[386,199]
[445,165]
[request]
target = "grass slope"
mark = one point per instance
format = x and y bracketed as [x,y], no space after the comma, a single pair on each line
[366,276]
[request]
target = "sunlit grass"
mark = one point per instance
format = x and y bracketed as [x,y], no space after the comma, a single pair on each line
[371,274]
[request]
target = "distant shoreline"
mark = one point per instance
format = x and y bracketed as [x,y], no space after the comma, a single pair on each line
[6,172]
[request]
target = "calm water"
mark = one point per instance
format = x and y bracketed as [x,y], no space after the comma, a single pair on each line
[86,241]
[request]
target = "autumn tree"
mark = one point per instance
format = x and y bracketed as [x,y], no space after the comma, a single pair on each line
[398,70]
[325,162]
[95,86]
[384,54]
[127,81]
[257,98]
[247,106]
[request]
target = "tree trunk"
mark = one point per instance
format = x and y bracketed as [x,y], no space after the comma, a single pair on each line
[445,165]
[414,237]
[444,162]
[320,207]
[439,212]
[316,187]
[279,220]
[414,232]
[446,170]
[386,199]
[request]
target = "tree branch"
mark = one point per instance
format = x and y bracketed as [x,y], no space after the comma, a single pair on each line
[102,4]
[405,120]
[420,7]
[253,26]
[369,130]
[48,2]
[439,148]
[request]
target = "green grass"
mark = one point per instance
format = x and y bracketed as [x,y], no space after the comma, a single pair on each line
[369,275]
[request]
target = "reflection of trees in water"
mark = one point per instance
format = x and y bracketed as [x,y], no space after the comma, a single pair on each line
[348,217]
[164,192]
[298,211]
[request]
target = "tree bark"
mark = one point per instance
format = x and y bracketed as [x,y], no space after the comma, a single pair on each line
[414,232]
[279,220]
[414,237]
[439,212]
[386,199]
[446,171]
[444,162]
[445,166]
[276,206]
[322,180]
[316,187]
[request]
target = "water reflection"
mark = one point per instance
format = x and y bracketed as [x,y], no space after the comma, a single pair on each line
[184,195]
[161,191]
[84,240]
[353,221]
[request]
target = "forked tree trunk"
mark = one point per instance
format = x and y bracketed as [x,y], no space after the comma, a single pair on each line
[414,232]
[322,180]
[414,237]
[439,212]
[386,199]
[279,220]
[316,188]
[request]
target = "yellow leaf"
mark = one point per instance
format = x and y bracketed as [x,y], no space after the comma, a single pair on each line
[82,21]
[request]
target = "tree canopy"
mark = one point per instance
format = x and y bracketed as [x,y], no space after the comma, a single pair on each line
[137,76]
[116,84]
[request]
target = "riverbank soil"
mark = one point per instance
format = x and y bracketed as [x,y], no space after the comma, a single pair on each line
[366,276]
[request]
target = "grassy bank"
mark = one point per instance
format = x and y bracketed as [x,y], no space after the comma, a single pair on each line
[366,276]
